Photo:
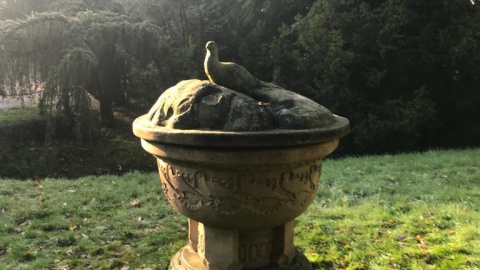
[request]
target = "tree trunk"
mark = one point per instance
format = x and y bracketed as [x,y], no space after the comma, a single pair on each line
[106,111]
[107,83]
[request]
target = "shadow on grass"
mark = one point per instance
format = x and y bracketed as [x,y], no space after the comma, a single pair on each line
[24,154]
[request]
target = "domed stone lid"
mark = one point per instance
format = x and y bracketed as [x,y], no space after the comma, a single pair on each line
[235,109]
[201,113]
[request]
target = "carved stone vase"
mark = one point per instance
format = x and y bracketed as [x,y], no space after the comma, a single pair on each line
[241,191]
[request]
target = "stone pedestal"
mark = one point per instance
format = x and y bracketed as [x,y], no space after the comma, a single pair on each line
[215,248]
[240,190]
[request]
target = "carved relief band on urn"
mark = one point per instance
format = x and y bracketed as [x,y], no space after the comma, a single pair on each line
[241,192]
[241,164]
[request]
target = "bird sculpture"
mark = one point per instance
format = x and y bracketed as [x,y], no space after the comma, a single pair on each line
[228,74]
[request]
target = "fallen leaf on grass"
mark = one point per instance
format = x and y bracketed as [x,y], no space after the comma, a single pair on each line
[377,237]
[26,224]
[102,228]
[342,243]
[428,258]
[358,192]
[388,223]
[118,254]
[136,203]
[421,242]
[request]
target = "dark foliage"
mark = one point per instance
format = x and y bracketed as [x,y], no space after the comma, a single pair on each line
[406,73]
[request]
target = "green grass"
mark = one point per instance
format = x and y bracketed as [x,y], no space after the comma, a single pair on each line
[24,154]
[20,125]
[17,116]
[413,211]
[88,223]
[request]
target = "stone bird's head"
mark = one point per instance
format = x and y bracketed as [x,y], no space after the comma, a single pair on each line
[211,46]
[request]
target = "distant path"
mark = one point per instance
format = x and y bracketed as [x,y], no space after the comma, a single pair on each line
[8,102]
[11,102]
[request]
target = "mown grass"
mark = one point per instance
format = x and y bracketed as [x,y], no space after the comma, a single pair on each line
[102,222]
[413,211]
[19,125]
[24,153]
[17,116]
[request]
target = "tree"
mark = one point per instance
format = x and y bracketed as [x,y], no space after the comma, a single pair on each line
[243,29]
[78,50]
[402,71]
[14,9]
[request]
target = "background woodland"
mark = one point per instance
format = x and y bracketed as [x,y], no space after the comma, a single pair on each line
[406,73]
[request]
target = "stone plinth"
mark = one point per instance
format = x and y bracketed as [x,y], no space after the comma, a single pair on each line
[240,190]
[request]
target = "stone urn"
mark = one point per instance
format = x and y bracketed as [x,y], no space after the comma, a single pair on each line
[241,168]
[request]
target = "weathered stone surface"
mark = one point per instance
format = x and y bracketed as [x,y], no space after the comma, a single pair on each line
[202,105]
[143,128]
[187,259]
[246,189]
[241,203]
[228,74]
[241,165]
[196,104]
[291,110]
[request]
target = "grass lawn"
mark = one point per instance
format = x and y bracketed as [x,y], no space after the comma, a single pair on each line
[20,115]
[413,211]
[24,154]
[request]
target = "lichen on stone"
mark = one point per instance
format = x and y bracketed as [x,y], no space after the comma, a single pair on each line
[203,105]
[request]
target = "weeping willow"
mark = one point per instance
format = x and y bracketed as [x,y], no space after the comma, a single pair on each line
[71,55]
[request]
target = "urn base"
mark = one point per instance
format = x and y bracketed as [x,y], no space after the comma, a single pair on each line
[213,248]
[194,262]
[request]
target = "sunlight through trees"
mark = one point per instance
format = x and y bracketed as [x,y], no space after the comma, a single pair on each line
[405,72]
